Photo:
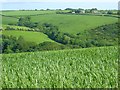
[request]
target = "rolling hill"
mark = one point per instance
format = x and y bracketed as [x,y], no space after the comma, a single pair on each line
[72,24]
[36,37]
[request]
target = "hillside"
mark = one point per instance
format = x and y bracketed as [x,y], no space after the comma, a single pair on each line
[74,23]
[36,37]
[77,68]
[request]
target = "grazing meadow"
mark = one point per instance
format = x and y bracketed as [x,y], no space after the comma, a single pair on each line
[36,37]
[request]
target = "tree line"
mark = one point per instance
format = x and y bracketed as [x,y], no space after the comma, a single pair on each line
[13,44]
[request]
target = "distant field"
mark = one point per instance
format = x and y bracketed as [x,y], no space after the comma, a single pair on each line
[36,37]
[22,13]
[74,23]
[80,68]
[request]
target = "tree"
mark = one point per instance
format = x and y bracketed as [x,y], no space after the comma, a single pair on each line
[87,11]
[35,9]
[8,50]
[48,9]
[24,21]
[40,26]
[21,21]
[50,46]
[109,12]
[66,39]
[22,45]
[77,11]
[94,9]
[68,9]
[118,12]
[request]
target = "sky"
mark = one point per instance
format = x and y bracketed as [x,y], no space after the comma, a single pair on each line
[58,4]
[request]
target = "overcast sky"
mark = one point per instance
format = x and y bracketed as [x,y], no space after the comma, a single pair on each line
[56,4]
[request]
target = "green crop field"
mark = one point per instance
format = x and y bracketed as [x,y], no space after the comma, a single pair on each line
[74,23]
[80,68]
[36,37]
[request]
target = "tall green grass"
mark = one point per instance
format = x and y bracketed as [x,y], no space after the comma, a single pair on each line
[79,68]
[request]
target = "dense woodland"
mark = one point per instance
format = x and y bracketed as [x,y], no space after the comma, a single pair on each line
[105,35]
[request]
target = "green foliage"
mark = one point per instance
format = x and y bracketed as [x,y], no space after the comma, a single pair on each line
[14,45]
[8,50]
[109,12]
[26,21]
[80,68]
[118,12]
[50,46]
[14,27]
[106,35]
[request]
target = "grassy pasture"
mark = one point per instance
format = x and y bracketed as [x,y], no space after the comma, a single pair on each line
[79,68]
[74,23]
[9,20]
[36,37]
